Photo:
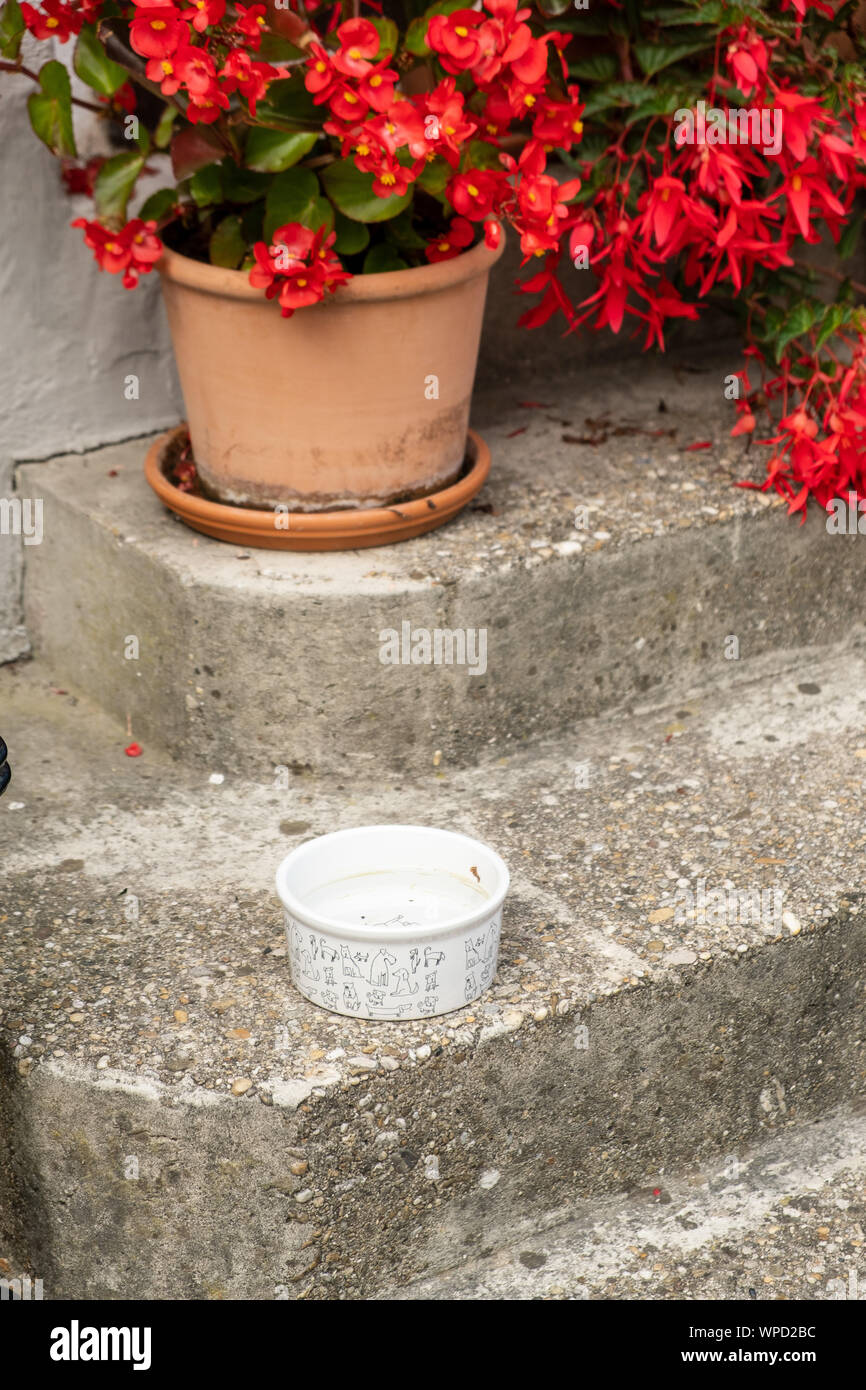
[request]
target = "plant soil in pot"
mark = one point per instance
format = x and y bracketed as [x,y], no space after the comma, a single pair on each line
[361,400]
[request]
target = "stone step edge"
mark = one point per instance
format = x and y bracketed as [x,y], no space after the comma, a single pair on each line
[608,1114]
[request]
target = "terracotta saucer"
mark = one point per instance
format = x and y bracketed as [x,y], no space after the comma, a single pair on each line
[343,530]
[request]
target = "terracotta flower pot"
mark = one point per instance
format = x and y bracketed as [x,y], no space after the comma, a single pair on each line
[360,401]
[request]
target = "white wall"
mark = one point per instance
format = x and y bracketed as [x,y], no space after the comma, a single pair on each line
[69,334]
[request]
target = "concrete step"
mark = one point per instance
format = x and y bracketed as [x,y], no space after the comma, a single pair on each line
[782,1219]
[144,984]
[678,584]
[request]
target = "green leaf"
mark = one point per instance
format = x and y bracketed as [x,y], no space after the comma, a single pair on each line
[382,258]
[274,47]
[435,175]
[253,222]
[400,231]
[271,151]
[710,13]
[206,186]
[653,57]
[159,205]
[294,196]
[12,29]
[389,36]
[850,237]
[415,40]
[658,102]
[600,67]
[227,244]
[51,110]
[163,132]
[584,26]
[799,321]
[114,183]
[834,316]
[616,94]
[417,30]
[143,138]
[321,214]
[352,237]
[243,185]
[481,155]
[288,104]
[351,192]
[94,66]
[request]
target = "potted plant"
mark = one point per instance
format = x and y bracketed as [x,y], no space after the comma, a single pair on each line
[335,188]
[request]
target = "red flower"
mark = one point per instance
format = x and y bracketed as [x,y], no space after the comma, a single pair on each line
[801,6]
[746,422]
[497,114]
[531,66]
[401,125]
[454,37]
[165,72]
[53,21]
[799,115]
[80,178]
[581,239]
[321,75]
[558,123]
[197,71]
[346,104]
[252,79]
[204,107]
[663,302]
[377,86]
[132,251]
[250,21]
[205,13]
[492,233]
[663,203]
[446,127]
[541,212]
[474,193]
[748,58]
[390,178]
[359,42]
[838,154]
[124,99]
[157,32]
[805,186]
[298,268]
[459,235]
[546,283]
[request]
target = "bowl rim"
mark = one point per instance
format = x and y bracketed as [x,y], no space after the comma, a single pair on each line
[319,922]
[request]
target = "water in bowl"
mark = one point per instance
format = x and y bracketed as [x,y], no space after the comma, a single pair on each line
[398,897]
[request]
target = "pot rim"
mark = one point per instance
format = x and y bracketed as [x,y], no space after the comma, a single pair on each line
[390,284]
[351,931]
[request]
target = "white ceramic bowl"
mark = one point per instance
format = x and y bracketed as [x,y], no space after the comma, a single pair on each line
[392,921]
